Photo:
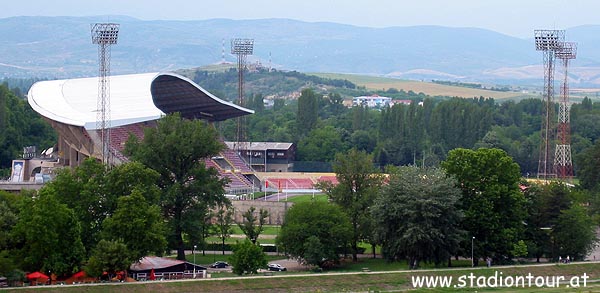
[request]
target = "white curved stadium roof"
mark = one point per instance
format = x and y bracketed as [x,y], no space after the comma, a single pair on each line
[74,101]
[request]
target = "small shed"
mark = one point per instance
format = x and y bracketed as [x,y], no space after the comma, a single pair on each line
[165,269]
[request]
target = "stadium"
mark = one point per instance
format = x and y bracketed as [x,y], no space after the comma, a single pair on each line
[137,101]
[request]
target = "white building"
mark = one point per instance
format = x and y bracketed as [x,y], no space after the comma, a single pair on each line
[373,101]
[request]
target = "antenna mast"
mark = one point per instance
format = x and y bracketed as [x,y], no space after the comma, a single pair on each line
[222,51]
[104,35]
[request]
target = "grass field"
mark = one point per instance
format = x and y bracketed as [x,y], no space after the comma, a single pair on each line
[307,197]
[398,281]
[210,258]
[240,237]
[381,265]
[267,230]
[266,237]
[429,88]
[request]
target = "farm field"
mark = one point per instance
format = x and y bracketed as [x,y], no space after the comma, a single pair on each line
[429,88]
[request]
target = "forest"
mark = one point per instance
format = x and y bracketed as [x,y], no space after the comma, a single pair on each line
[20,126]
[421,133]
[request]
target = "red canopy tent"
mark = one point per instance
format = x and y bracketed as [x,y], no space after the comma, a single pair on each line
[78,275]
[37,276]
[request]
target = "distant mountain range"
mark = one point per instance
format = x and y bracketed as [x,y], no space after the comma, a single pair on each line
[61,47]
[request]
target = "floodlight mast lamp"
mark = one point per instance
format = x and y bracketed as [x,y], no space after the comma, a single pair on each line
[549,42]
[563,164]
[104,35]
[241,48]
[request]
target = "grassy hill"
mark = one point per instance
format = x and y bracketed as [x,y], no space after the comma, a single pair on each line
[222,80]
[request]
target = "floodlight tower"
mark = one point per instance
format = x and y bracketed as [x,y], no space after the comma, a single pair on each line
[241,48]
[549,42]
[563,164]
[104,35]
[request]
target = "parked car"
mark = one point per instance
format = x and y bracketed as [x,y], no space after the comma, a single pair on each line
[219,265]
[276,267]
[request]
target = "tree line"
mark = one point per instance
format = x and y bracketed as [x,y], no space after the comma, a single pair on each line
[20,126]
[475,206]
[421,133]
[102,219]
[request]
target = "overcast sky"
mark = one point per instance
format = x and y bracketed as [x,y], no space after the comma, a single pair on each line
[513,17]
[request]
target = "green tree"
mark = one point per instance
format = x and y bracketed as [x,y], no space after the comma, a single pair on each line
[16,278]
[176,149]
[123,179]
[3,108]
[549,229]
[321,145]
[555,198]
[307,114]
[574,233]
[205,232]
[223,224]
[537,228]
[138,225]
[83,189]
[314,231]
[417,216]
[589,163]
[278,104]
[50,235]
[520,249]
[19,126]
[247,258]
[109,256]
[8,219]
[363,140]
[257,104]
[360,117]
[358,184]
[491,200]
[334,105]
[252,224]
[92,192]
[315,252]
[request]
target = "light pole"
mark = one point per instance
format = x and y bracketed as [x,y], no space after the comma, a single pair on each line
[472,259]
[194,253]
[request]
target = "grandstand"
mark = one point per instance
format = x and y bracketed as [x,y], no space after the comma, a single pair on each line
[238,165]
[266,156]
[239,182]
[137,101]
